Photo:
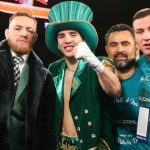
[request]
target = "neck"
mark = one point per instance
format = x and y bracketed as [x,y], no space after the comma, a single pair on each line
[71,64]
[125,75]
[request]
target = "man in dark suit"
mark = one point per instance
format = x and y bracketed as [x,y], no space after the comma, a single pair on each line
[27,92]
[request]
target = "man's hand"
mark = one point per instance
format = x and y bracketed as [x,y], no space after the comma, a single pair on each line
[83,52]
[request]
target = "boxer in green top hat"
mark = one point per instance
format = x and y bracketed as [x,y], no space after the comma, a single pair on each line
[82,81]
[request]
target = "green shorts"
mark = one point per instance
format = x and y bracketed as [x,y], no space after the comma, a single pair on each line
[68,143]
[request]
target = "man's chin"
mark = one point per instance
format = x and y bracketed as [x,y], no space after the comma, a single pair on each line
[23,52]
[146,51]
[20,49]
[68,55]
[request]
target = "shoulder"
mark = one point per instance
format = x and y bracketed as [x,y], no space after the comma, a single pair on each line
[4,45]
[104,59]
[141,61]
[56,66]
[107,62]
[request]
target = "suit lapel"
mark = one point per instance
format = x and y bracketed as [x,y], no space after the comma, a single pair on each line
[59,80]
[6,59]
[37,77]
[76,83]
[23,82]
[59,83]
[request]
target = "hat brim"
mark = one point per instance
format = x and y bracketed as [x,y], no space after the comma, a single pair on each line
[86,29]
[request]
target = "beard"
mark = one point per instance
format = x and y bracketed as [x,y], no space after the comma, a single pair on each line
[20,50]
[124,66]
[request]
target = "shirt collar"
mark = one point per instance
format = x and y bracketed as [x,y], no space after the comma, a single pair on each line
[25,56]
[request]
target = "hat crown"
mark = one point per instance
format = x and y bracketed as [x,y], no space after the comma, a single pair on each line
[70,10]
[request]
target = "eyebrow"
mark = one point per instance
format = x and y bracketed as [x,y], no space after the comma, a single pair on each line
[114,42]
[71,32]
[60,34]
[23,27]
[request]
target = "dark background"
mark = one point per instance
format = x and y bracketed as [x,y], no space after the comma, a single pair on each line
[106,14]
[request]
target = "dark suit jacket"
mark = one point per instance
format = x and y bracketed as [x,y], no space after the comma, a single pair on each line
[39,121]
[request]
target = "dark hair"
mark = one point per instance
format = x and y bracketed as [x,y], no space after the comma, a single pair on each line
[22,14]
[118,28]
[141,14]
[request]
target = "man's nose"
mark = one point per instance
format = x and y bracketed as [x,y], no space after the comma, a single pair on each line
[120,48]
[68,39]
[23,32]
[146,35]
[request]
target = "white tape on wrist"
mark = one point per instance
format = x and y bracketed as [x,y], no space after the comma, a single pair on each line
[84,52]
[99,68]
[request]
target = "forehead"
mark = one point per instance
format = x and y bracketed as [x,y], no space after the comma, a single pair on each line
[119,36]
[142,23]
[23,21]
[68,32]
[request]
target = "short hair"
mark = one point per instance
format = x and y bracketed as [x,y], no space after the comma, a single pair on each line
[22,14]
[118,28]
[141,14]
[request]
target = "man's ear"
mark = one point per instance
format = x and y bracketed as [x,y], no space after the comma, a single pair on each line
[137,52]
[106,49]
[35,37]
[6,33]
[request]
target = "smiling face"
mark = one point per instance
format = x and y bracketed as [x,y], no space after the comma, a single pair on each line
[142,33]
[21,34]
[67,40]
[121,48]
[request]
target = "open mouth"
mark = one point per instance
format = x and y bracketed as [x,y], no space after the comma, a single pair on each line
[147,45]
[69,48]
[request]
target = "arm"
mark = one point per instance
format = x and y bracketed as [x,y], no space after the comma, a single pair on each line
[108,80]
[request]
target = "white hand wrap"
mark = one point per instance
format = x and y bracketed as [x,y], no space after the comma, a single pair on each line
[84,52]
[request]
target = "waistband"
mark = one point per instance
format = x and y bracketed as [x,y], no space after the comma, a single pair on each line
[69,143]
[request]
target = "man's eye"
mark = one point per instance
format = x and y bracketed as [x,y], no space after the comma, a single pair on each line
[139,32]
[125,44]
[30,31]
[73,34]
[113,45]
[60,37]
[17,28]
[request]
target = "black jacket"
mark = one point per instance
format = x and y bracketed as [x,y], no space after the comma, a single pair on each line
[39,121]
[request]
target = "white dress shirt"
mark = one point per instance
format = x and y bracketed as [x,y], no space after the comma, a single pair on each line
[23,62]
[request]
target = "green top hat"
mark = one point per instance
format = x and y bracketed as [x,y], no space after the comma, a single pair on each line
[71,15]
